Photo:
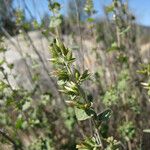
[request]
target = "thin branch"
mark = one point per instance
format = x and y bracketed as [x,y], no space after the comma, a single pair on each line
[15,145]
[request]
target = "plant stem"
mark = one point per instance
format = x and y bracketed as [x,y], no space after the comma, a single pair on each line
[84,96]
[10,140]
[80,34]
[98,138]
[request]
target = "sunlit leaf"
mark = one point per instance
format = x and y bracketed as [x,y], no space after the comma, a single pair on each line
[82,114]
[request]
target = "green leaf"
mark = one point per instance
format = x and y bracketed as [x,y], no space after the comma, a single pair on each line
[10,66]
[69,55]
[2,49]
[125,30]
[90,20]
[113,47]
[55,21]
[54,6]
[109,9]
[2,62]
[77,74]
[35,24]
[20,122]
[71,88]
[105,115]
[63,75]
[91,112]
[88,144]
[85,75]
[26,106]
[122,58]
[82,114]
[62,47]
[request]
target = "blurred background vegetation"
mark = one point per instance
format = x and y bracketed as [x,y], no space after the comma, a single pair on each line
[107,40]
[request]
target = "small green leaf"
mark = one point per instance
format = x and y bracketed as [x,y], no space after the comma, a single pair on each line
[69,55]
[122,58]
[2,49]
[19,123]
[90,20]
[113,47]
[55,21]
[10,66]
[63,75]
[55,6]
[91,112]
[125,30]
[71,88]
[35,24]
[26,106]
[77,74]
[105,115]
[2,62]
[82,114]
[84,75]
[64,50]
[109,9]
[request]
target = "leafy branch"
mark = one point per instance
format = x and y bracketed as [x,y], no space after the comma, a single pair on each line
[70,80]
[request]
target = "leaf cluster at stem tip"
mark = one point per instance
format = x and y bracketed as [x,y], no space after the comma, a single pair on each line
[70,81]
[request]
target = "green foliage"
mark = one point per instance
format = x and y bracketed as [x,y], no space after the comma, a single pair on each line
[56,19]
[104,116]
[113,47]
[88,144]
[81,114]
[145,70]
[69,116]
[41,144]
[110,98]
[127,130]
[70,80]
[109,9]
[19,17]
[54,7]
[112,144]
[89,7]
[42,119]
